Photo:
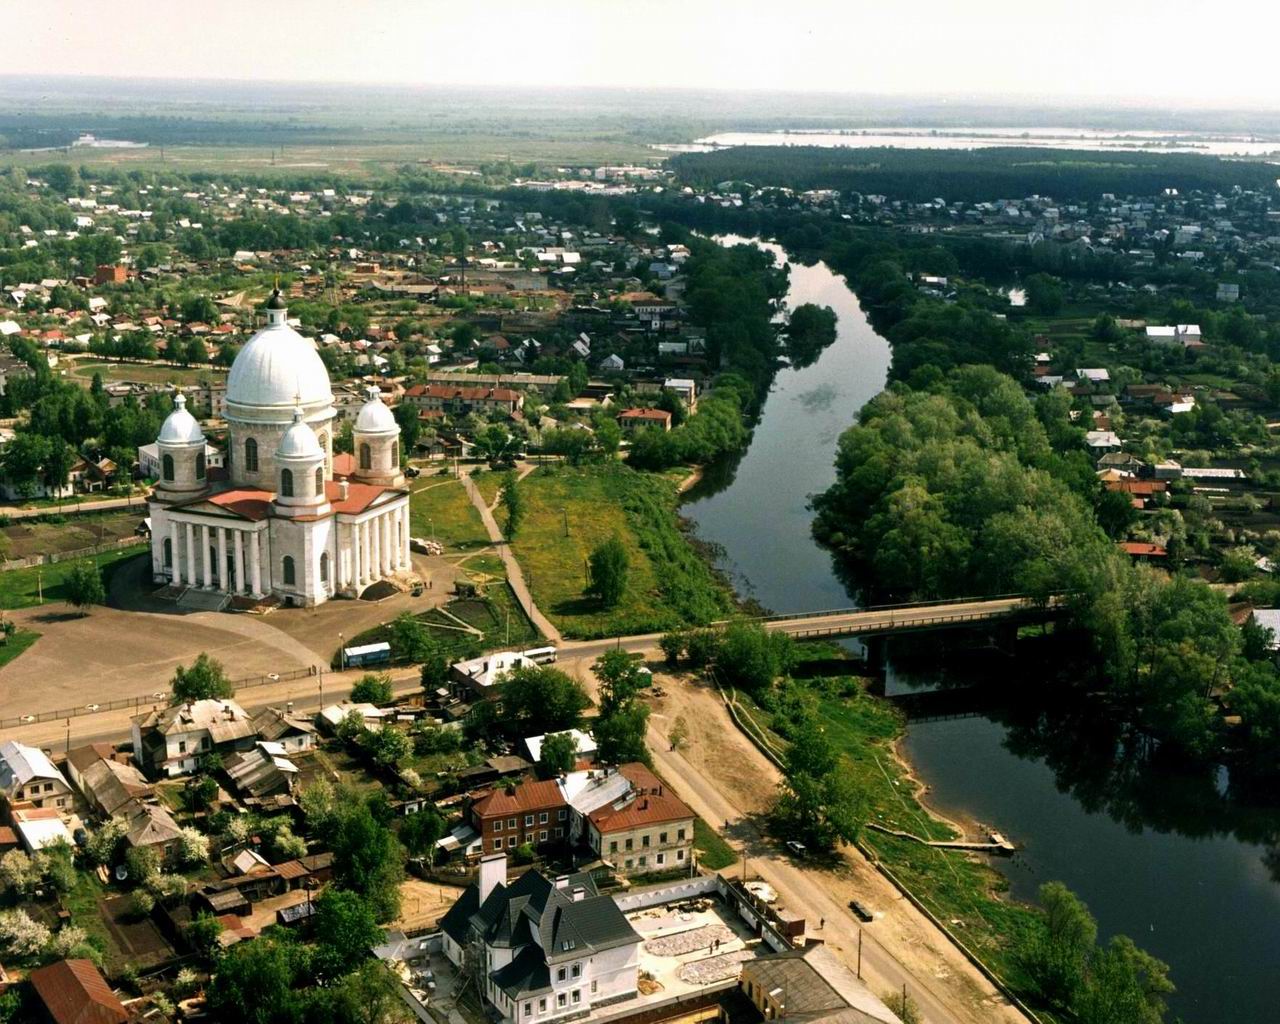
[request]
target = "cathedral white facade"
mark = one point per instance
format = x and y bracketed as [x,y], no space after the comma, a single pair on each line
[281,524]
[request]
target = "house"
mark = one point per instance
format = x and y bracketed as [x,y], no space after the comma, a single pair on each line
[632,420]
[151,826]
[612,363]
[647,829]
[685,389]
[1269,618]
[260,773]
[38,827]
[170,742]
[532,811]
[1228,292]
[482,673]
[459,401]
[1162,335]
[107,784]
[29,779]
[107,273]
[75,992]
[1142,551]
[1189,335]
[547,949]
[585,746]
[371,715]
[292,732]
[810,985]
[1100,440]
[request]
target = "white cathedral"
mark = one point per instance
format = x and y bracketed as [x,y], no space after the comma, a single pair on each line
[282,524]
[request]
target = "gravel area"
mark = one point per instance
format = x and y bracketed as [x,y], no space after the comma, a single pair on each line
[714,968]
[689,942]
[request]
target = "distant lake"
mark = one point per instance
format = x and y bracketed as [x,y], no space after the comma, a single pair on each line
[1211,144]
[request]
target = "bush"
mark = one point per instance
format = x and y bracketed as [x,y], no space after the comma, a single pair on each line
[141,903]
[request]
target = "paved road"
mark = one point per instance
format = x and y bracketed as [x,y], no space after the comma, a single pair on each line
[71,508]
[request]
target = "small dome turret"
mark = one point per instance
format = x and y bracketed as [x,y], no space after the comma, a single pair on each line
[180,427]
[300,459]
[377,443]
[374,416]
[299,441]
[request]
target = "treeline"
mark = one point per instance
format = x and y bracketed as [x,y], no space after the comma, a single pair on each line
[977,175]
[966,488]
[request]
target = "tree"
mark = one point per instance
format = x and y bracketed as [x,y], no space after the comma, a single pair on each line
[608,566]
[193,847]
[621,726]
[411,640]
[204,680]
[368,995]
[1058,956]
[372,689]
[752,657]
[513,502]
[435,671]
[367,858]
[1125,985]
[901,1003]
[1044,294]
[346,930]
[202,933]
[257,982]
[819,800]
[537,700]
[420,832]
[83,586]
[559,754]
[678,734]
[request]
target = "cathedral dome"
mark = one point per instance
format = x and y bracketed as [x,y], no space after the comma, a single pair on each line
[374,416]
[278,369]
[180,427]
[299,441]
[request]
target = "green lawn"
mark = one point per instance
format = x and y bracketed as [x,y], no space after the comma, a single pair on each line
[146,373]
[713,851]
[442,509]
[18,642]
[669,584]
[489,484]
[20,588]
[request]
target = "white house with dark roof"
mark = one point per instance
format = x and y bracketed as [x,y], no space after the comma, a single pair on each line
[171,741]
[545,949]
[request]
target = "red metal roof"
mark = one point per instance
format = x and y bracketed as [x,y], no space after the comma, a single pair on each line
[74,992]
[653,804]
[529,795]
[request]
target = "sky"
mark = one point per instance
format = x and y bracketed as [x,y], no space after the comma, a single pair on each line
[1171,51]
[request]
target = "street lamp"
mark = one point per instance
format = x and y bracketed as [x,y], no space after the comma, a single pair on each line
[342,653]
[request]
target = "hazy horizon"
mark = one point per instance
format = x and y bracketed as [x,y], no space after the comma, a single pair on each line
[1054,54]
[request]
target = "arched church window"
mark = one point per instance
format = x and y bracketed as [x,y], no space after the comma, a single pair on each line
[395,454]
[289,577]
[200,466]
[251,455]
[366,457]
[286,483]
[323,438]
[167,467]
[324,567]
[319,482]
[168,552]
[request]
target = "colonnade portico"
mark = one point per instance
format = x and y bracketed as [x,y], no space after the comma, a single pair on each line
[194,564]
[379,547]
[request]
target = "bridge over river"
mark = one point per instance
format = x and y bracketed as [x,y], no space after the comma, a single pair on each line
[906,618]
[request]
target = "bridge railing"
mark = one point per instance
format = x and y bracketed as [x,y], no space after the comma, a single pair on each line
[892,625]
[831,612]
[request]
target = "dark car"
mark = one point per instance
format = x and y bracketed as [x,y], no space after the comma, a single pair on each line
[861,911]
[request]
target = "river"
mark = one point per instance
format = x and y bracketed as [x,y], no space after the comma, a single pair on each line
[1172,862]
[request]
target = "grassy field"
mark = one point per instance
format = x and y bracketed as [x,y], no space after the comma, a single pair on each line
[501,621]
[16,645]
[441,509]
[713,851]
[489,484]
[959,889]
[145,373]
[20,588]
[668,585]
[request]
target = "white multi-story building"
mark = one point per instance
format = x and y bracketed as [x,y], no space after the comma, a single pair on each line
[280,524]
[541,949]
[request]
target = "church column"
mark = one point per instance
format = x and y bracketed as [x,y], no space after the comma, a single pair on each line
[175,552]
[203,534]
[366,554]
[384,525]
[224,584]
[406,554]
[375,550]
[237,543]
[191,555]
[255,564]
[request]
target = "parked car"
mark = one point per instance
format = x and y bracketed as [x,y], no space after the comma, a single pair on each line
[797,849]
[861,911]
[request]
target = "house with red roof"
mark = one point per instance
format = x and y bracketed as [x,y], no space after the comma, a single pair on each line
[75,992]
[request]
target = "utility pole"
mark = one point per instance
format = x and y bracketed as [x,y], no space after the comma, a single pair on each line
[564,511]
[859,954]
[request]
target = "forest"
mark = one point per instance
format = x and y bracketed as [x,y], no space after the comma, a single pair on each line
[979,175]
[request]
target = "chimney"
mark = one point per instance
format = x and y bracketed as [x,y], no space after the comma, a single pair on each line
[579,894]
[288,707]
[344,488]
[562,882]
[493,871]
